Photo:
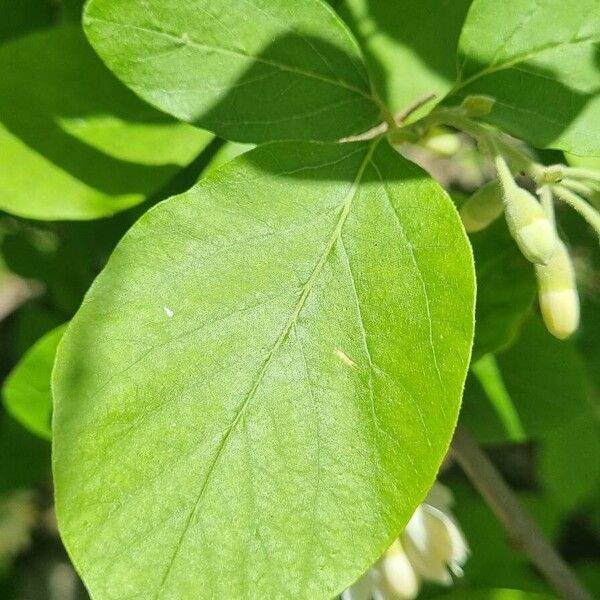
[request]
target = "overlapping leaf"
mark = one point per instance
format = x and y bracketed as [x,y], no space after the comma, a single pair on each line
[251,71]
[539,60]
[74,142]
[26,392]
[259,388]
[410,47]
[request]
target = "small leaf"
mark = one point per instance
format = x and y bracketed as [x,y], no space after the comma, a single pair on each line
[27,394]
[538,60]
[267,372]
[264,70]
[74,142]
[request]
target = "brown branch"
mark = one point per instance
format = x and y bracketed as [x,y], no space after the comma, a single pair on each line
[518,523]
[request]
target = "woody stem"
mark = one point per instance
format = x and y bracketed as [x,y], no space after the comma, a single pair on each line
[522,529]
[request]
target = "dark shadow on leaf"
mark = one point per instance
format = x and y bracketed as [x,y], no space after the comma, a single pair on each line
[429,29]
[530,101]
[45,84]
[297,88]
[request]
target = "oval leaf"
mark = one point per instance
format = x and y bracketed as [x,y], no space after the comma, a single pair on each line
[251,71]
[259,388]
[538,60]
[27,393]
[74,142]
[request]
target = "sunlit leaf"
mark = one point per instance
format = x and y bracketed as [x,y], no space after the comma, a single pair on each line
[264,70]
[74,142]
[539,60]
[259,388]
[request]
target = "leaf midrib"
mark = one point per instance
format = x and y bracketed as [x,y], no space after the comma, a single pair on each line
[519,58]
[290,324]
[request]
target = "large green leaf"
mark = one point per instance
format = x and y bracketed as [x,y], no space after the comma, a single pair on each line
[410,47]
[539,60]
[26,392]
[259,388]
[74,142]
[253,70]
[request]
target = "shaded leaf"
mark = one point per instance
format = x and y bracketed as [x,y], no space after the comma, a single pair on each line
[26,392]
[268,70]
[506,288]
[267,371]
[539,60]
[74,142]
[25,457]
[545,380]
[568,463]
[410,48]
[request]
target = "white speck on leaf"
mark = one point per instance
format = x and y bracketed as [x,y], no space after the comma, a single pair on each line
[168,312]
[344,358]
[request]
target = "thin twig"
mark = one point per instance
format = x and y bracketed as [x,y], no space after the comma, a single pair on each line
[521,527]
[409,110]
[590,214]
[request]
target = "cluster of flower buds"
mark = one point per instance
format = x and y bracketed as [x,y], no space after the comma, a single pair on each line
[534,231]
[431,548]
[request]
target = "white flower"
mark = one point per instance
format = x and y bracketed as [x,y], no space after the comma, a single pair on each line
[431,548]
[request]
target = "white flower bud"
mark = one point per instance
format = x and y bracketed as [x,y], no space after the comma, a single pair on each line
[399,580]
[483,207]
[527,221]
[558,297]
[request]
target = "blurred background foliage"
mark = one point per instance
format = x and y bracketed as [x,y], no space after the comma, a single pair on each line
[531,400]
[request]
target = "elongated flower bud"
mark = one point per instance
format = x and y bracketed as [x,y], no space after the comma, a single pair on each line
[528,223]
[483,207]
[558,293]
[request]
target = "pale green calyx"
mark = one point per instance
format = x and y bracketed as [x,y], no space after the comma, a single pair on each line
[483,207]
[559,301]
[527,221]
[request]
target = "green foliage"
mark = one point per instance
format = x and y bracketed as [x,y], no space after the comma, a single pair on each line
[538,60]
[545,382]
[259,388]
[25,457]
[308,378]
[79,144]
[267,71]
[26,392]
[410,48]
[505,289]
